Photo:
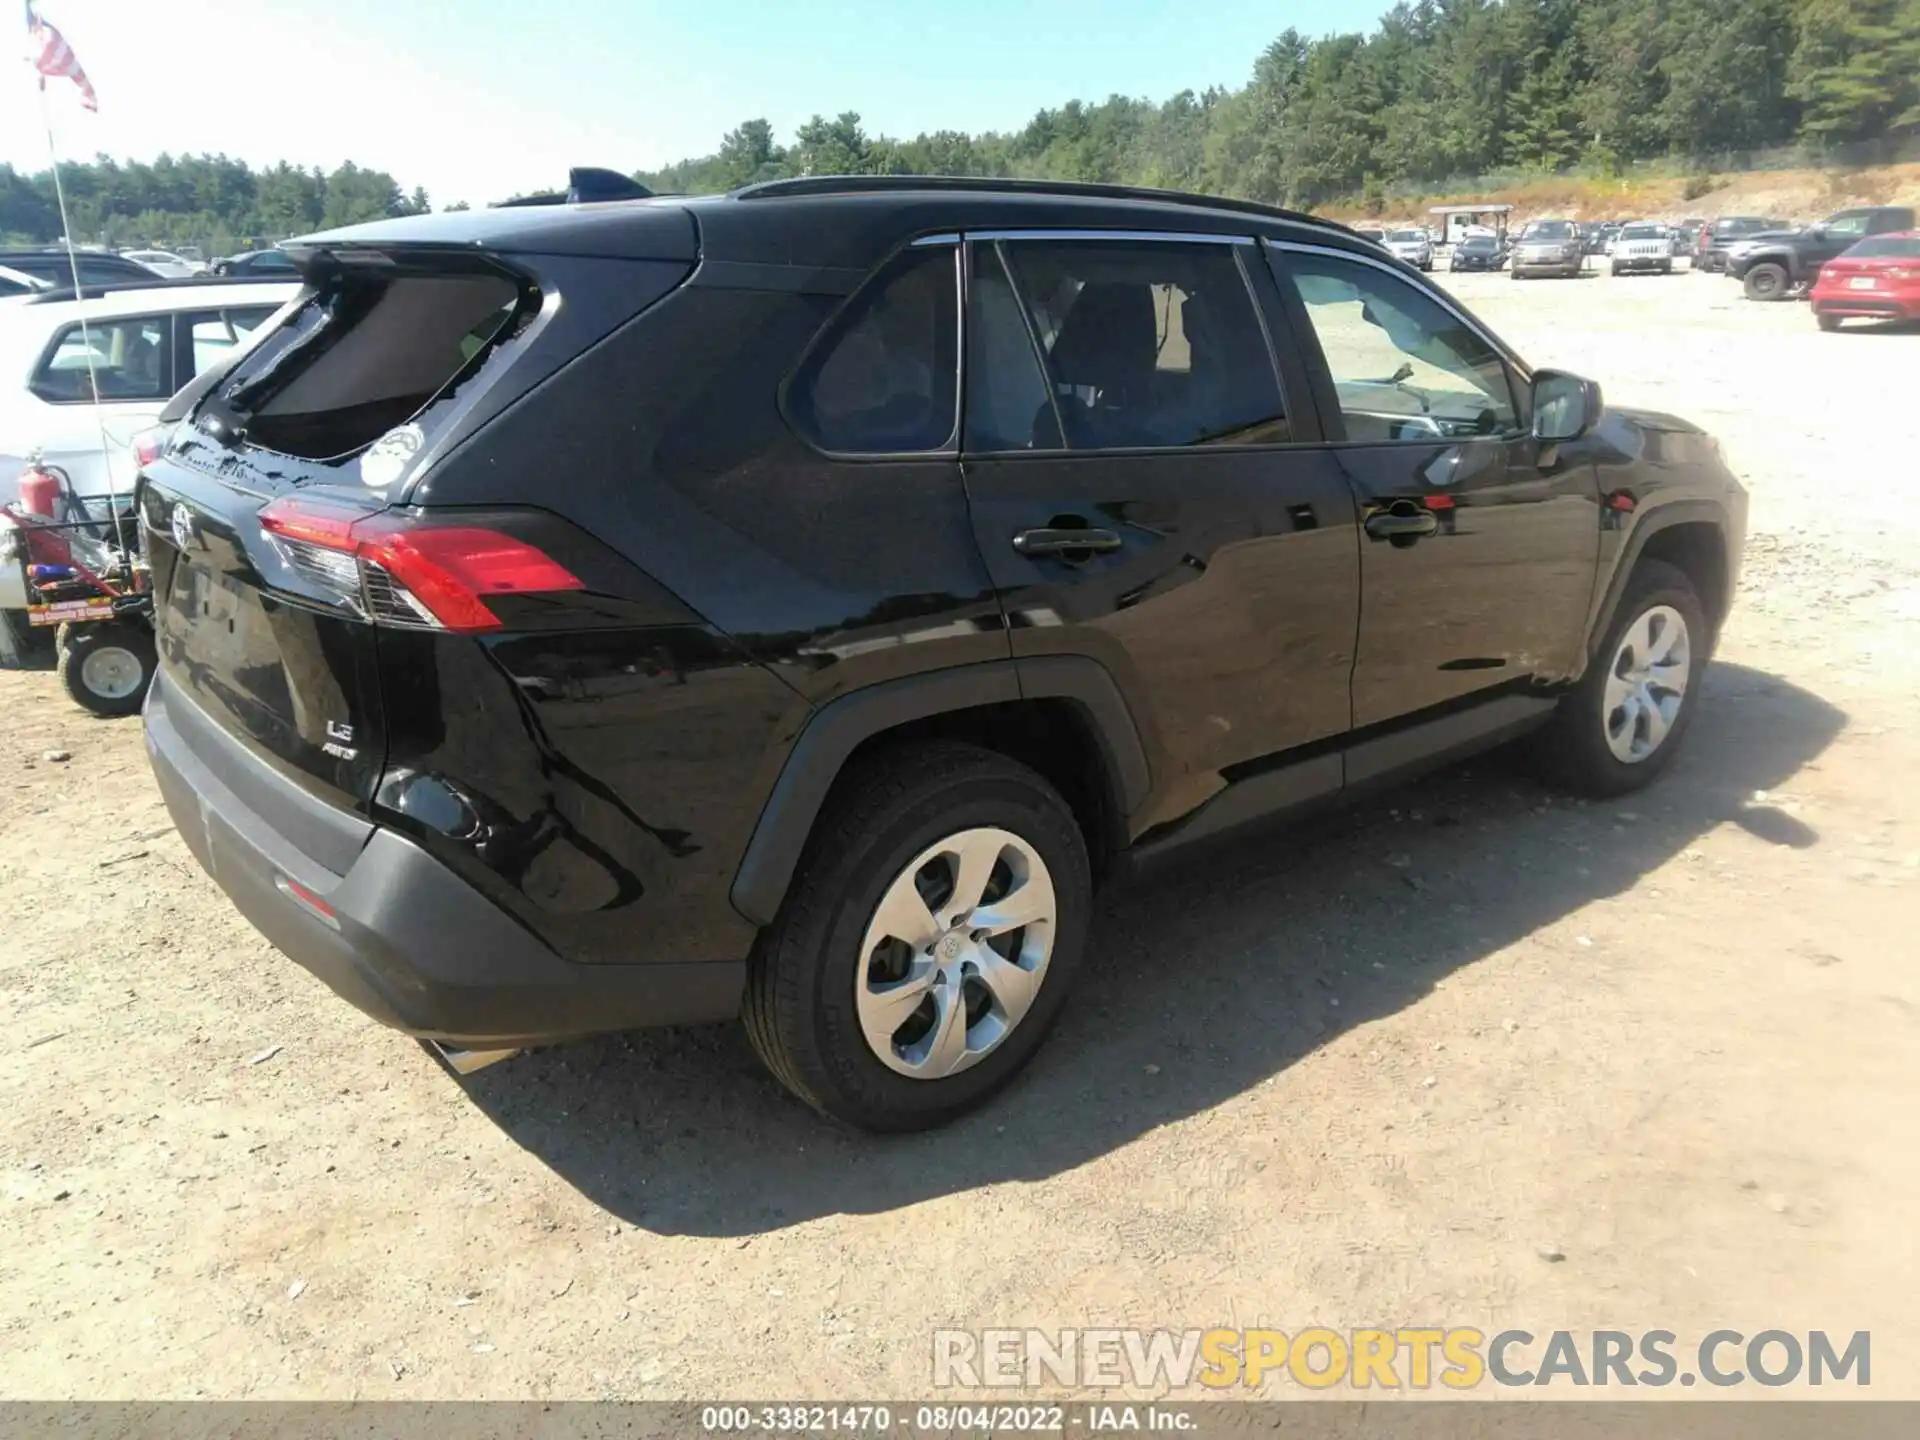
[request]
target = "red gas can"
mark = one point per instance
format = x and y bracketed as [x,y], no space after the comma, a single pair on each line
[39,492]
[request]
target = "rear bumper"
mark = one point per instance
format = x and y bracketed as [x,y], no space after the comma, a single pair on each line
[1867,305]
[408,941]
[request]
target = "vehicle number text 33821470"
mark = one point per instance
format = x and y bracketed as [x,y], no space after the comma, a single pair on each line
[880,1419]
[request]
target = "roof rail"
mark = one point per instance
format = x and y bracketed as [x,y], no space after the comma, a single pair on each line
[994,185]
[159,282]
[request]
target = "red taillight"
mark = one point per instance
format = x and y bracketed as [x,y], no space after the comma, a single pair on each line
[414,571]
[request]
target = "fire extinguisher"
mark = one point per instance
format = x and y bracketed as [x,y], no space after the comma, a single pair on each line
[41,488]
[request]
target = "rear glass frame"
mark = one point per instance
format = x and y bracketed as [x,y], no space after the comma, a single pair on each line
[336,281]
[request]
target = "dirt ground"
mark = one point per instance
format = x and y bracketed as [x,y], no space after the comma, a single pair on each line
[1363,1075]
[1805,195]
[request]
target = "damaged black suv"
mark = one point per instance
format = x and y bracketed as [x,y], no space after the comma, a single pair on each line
[790,604]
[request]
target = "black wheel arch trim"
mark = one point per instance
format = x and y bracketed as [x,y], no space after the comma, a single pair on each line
[1663,517]
[837,729]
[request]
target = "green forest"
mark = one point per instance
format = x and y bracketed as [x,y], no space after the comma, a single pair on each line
[1439,89]
[206,200]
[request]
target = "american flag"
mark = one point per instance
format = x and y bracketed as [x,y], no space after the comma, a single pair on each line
[52,56]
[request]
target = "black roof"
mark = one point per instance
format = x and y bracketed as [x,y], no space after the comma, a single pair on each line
[821,221]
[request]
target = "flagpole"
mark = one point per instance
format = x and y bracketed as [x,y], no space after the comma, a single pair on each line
[86,336]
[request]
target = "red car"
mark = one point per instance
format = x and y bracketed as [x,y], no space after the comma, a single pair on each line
[1877,279]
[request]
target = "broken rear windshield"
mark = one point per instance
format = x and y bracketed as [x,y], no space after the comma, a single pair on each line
[366,352]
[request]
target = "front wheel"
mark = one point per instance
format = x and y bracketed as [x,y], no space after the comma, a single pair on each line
[107,666]
[928,942]
[1619,727]
[1766,281]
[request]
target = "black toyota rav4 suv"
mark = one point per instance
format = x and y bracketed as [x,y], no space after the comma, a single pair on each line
[790,604]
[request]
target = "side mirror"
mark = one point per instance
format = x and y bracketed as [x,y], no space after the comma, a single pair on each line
[1565,407]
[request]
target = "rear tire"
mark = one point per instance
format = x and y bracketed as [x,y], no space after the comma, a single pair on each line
[1828,322]
[107,666]
[815,992]
[1767,281]
[1616,731]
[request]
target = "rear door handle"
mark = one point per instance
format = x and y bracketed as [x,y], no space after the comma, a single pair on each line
[1399,524]
[1050,541]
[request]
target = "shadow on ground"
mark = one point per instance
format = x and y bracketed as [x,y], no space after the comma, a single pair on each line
[1220,978]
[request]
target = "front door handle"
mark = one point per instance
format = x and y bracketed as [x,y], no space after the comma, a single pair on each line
[1048,540]
[1403,524]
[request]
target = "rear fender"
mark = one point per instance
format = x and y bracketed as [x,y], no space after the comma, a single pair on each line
[841,727]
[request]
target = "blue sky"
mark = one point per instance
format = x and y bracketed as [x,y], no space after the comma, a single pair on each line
[477,99]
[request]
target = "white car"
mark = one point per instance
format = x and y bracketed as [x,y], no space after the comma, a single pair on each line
[130,348]
[1641,245]
[166,264]
[1413,246]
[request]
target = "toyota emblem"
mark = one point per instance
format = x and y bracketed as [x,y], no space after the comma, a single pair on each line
[180,524]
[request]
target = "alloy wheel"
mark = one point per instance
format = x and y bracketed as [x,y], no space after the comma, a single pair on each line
[1647,683]
[955,953]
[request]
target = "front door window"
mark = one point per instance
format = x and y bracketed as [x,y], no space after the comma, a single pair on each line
[1404,367]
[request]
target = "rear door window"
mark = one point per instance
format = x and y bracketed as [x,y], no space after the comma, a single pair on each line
[883,379]
[1144,344]
[124,359]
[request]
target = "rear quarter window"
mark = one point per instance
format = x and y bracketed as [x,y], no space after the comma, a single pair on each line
[883,380]
[216,336]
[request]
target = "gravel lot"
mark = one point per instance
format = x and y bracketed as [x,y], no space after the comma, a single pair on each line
[1361,1076]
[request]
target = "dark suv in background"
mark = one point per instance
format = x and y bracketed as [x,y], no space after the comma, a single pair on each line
[791,604]
[1710,247]
[1775,264]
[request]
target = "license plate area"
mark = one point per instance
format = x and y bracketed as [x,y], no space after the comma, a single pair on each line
[1861,282]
